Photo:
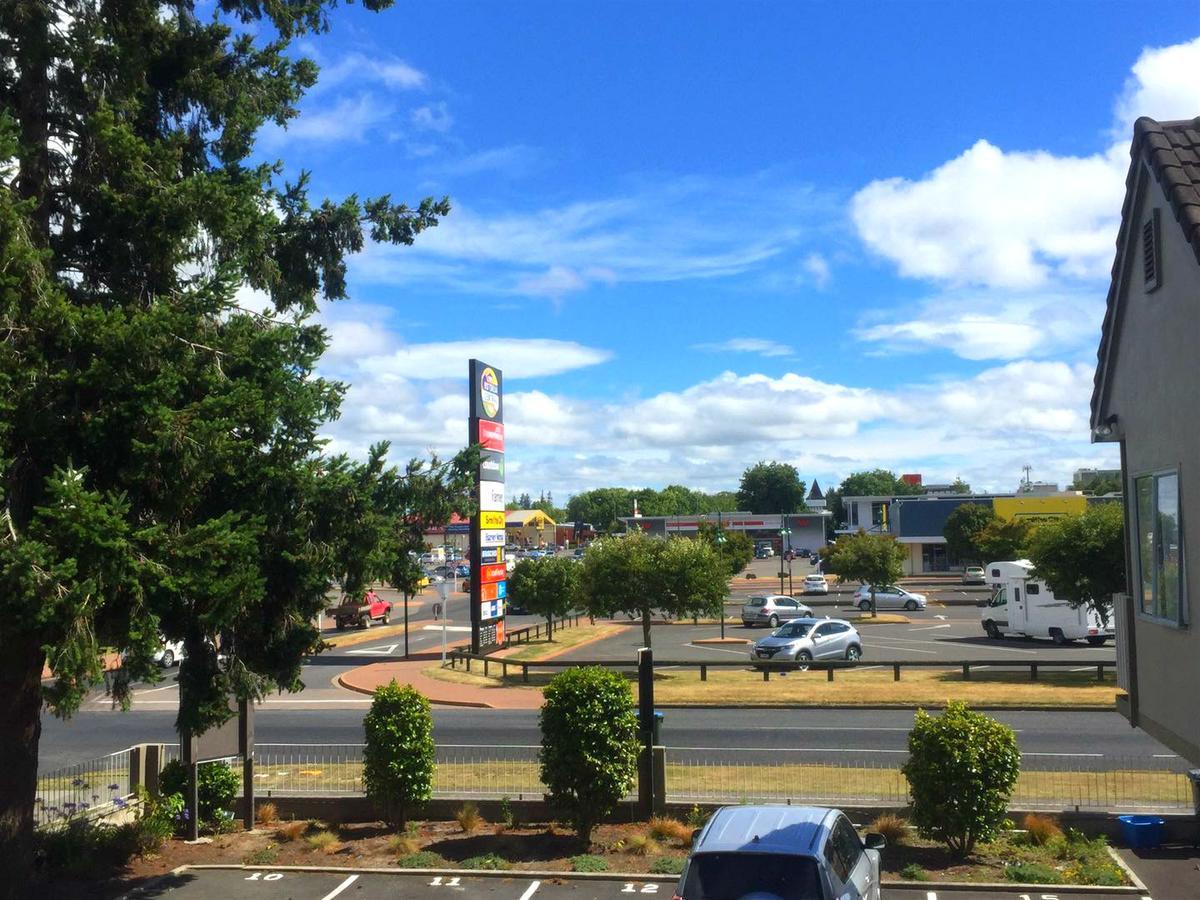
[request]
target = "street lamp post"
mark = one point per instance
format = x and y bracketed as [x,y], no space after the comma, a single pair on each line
[783,535]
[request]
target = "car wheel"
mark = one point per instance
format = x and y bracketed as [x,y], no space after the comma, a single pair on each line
[773,621]
[911,605]
[341,624]
[803,658]
[365,621]
[864,605]
[854,653]
[1058,637]
[386,617]
[992,631]
[1097,641]
[168,659]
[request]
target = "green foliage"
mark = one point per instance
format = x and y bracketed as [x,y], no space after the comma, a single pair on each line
[160,444]
[1004,539]
[637,574]
[603,506]
[547,587]
[1033,873]
[872,559]
[1082,557]
[734,547]
[507,818]
[696,817]
[963,528]
[771,487]
[589,744]
[216,786]
[422,859]
[877,483]
[587,862]
[667,865]
[398,759]
[487,861]
[961,770]
[263,856]
[913,872]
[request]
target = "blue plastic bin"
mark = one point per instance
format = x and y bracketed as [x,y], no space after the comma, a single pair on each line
[1142,831]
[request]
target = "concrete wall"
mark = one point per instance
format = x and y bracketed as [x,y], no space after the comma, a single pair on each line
[1155,393]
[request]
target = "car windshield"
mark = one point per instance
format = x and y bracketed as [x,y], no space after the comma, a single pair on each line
[814,577]
[793,630]
[757,601]
[730,876]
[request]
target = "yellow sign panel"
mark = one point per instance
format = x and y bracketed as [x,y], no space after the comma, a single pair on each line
[491,519]
[1035,508]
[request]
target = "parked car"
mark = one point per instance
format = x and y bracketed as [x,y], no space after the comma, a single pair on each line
[771,609]
[974,575]
[462,571]
[804,553]
[815,583]
[804,640]
[889,597]
[445,571]
[802,852]
[169,654]
[579,553]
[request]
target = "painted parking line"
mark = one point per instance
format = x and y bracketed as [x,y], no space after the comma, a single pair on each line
[341,887]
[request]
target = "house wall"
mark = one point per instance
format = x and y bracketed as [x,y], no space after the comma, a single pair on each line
[1154,390]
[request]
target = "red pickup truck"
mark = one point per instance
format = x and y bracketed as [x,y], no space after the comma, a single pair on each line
[361,613]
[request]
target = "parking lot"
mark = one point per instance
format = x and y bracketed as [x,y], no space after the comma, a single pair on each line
[264,884]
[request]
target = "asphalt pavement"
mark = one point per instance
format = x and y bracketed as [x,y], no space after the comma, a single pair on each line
[264,884]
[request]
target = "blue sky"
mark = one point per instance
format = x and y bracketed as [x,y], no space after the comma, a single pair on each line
[698,235]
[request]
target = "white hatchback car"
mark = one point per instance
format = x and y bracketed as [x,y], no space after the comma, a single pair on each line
[889,597]
[815,584]
[771,609]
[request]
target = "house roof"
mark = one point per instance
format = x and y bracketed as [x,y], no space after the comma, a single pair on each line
[1171,151]
[815,493]
[521,517]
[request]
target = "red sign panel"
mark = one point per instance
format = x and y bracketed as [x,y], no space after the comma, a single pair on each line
[489,592]
[491,435]
[494,572]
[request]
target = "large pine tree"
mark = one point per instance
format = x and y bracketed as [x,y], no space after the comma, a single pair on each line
[159,456]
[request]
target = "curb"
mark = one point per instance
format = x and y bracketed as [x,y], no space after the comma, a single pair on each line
[472,704]
[1128,870]
[649,878]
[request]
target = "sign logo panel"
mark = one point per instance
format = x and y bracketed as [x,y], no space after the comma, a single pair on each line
[492,538]
[491,435]
[491,496]
[494,572]
[492,555]
[489,392]
[496,591]
[491,519]
[491,466]
[491,609]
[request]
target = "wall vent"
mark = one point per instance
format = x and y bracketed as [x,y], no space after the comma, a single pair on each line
[1151,258]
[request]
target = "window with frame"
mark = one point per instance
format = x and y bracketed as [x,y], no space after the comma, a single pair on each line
[1159,547]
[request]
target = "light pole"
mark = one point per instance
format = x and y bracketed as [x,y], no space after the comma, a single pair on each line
[720,541]
[783,534]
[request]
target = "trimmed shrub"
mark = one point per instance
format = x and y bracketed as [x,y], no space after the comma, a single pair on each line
[961,770]
[425,859]
[263,856]
[326,841]
[1032,873]
[398,758]
[589,863]
[642,845]
[216,786]
[589,744]
[913,872]
[488,861]
[667,865]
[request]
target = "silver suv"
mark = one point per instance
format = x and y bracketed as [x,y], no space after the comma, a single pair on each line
[771,609]
[804,640]
[807,852]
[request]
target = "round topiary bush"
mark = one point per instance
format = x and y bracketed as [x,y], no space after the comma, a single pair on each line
[589,744]
[398,758]
[216,786]
[961,770]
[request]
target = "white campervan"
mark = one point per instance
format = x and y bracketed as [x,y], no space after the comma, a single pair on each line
[1022,604]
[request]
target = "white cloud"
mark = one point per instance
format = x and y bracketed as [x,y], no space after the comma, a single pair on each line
[1001,219]
[816,269]
[997,325]
[1163,86]
[348,119]
[747,345]
[554,282]
[432,117]
[513,160]
[517,357]
[1022,218]
[390,71]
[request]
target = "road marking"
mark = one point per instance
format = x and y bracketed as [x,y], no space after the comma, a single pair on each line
[930,895]
[943,618]
[341,887]
[454,628]
[745,652]
[793,750]
[876,643]
[374,651]
[931,627]
[531,890]
[1166,756]
[1092,755]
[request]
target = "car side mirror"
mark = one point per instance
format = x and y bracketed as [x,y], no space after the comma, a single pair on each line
[875,841]
[696,835]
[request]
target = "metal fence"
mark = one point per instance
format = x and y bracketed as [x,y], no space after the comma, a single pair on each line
[83,790]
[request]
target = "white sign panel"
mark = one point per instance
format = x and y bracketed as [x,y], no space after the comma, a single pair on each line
[492,538]
[491,496]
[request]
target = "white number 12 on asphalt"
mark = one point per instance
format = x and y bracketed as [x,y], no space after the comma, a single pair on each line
[631,888]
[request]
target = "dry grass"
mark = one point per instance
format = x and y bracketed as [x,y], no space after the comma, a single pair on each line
[667,829]
[642,845]
[917,687]
[468,818]
[325,841]
[1041,830]
[267,814]
[564,639]
[891,826]
[403,845]
[292,831]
